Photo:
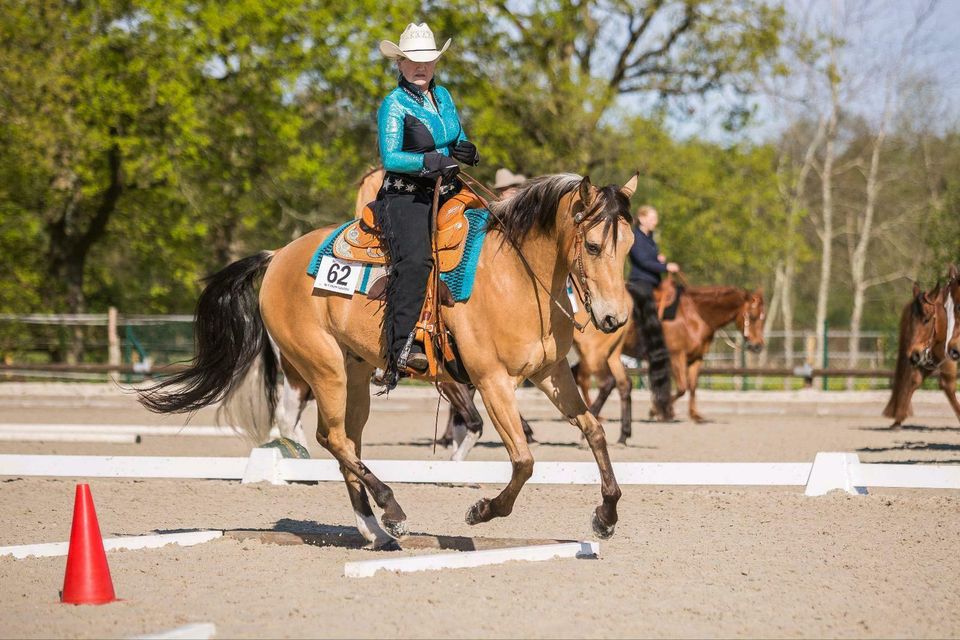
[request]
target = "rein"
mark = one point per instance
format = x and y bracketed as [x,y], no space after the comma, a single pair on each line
[579,218]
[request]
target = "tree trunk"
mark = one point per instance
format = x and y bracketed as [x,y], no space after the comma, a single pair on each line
[70,244]
[826,232]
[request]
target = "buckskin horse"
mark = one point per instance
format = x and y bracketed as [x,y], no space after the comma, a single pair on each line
[700,313]
[515,325]
[924,348]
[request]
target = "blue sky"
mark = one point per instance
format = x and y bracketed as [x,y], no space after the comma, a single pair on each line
[874,31]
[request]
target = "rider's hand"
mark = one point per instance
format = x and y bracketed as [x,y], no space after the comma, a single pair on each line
[436,164]
[673,267]
[466,152]
[661,258]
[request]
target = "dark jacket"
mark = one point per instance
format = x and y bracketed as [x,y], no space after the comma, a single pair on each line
[644,266]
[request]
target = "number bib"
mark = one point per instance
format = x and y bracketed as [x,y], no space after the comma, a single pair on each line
[339,276]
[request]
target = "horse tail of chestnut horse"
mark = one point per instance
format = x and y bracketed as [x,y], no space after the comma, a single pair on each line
[229,335]
[900,392]
[657,356]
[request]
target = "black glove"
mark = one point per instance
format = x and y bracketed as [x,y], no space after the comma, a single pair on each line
[436,164]
[466,152]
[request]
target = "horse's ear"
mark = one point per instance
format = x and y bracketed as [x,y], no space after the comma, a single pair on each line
[953,272]
[585,196]
[631,187]
[916,289]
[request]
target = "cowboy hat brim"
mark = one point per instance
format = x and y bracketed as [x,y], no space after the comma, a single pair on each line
[393,51]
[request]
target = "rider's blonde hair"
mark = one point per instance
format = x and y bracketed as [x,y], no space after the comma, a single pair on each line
[643,212]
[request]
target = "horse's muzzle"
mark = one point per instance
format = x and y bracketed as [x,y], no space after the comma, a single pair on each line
[609,323]
[755,347]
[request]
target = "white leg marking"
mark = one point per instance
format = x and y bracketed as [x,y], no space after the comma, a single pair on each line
[462,451]
[371,530]
[951,321]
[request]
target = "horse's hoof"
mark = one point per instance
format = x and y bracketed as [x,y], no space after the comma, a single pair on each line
[396,529]
[603,531]
[622,441]
[478,512]
[388,544]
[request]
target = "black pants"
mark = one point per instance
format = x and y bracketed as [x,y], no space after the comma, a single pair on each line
[405,220]
[642,294]
[651,345]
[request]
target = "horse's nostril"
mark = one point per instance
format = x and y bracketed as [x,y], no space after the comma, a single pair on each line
[955,353]
[914,358]
[609,323]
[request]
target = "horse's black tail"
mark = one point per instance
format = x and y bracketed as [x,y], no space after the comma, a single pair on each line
[229,334]
[655,348]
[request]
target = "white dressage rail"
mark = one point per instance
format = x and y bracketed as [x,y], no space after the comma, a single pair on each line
[829,471]
[467,559]
[53,549]
[40,430]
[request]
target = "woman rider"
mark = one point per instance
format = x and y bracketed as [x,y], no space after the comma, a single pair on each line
[420,140]
[646,266]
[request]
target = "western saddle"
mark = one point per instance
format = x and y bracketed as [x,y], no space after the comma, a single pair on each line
[362,241]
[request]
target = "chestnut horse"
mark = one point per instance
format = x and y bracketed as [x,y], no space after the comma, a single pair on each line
[515,325]
[702,311]
[924,348]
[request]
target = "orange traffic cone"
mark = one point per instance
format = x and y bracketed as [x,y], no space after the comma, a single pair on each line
[87,579]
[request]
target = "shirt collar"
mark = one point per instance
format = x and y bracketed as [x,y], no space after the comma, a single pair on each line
[415,91]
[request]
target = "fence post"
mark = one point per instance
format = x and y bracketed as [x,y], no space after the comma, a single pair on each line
[811,352]
[826,352]
[113,343]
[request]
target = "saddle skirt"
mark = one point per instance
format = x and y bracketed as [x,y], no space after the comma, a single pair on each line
[362,241]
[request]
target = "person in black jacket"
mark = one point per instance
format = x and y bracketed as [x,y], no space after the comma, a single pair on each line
[647,265]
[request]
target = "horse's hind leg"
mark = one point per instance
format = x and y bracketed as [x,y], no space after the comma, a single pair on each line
[558,384]
[461,401]
[331,376]
[499,396]
[623,388]
[294,395]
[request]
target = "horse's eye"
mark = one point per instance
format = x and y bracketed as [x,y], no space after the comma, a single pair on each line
[593,248]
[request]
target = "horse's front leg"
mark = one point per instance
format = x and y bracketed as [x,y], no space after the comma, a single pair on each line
[948,383]
[693,377]
[499,397]
[558,385]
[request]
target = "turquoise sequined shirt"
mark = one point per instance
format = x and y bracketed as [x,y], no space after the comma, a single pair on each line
[409,125]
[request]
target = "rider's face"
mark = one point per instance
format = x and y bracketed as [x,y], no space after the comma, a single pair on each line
[418,73]
[649,221]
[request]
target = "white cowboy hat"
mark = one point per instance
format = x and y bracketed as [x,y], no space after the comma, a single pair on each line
[416,44]
[505,178]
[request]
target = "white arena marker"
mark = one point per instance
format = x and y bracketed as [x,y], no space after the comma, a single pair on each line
[195,631]
[125,429]
[68,436]
[53,549]
[465,559]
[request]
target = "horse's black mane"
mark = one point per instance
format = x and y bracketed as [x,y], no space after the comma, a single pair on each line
[534,206]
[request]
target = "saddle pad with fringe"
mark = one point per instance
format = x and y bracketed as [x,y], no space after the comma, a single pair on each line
[459,280]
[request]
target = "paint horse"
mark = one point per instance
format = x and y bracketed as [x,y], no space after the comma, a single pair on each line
[927,345]
[514,326]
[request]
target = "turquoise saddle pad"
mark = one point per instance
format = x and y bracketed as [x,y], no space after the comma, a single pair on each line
[459,280]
